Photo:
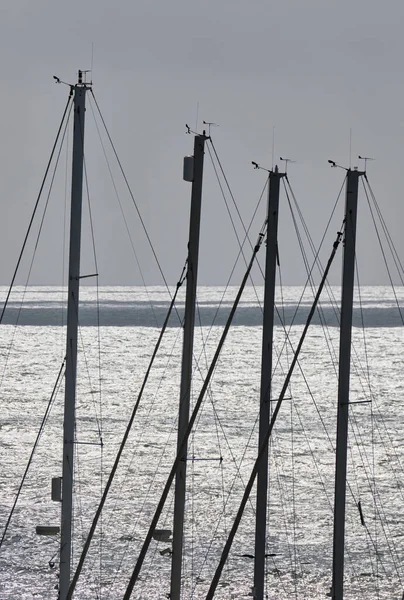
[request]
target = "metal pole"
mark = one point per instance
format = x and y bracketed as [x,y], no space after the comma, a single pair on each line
[348,273]
[266,376]
[72,326]
[186,371]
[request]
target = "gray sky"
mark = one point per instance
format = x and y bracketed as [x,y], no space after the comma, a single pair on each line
[313,69]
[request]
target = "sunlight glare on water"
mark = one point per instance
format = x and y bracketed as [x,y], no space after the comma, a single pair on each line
[221,450]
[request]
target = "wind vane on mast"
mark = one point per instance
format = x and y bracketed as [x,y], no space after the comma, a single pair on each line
[210,124]
[365,158]
[257,166]
[335,165]
[286,161]
[79,79]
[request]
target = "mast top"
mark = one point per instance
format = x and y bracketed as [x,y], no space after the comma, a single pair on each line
[81,80]
[335,165]
[270,171]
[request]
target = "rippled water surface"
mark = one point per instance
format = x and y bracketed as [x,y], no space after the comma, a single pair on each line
[222,448]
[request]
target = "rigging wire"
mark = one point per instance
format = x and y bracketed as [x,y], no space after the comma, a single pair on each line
[393,250]
[226,499]
[385,259]
[194,581]
[35,248]
[53,395]
[286,518]
[316,252]
[296,557]
[240,244]
[308,280]
[123,214]
[146,493]
[238,475]
[353,421]
[246,230]
[372,423]
[398,267]
[230,192]
[131,194]
[99,420]
[36,204]
[64,233]
[215,417]
[309,272]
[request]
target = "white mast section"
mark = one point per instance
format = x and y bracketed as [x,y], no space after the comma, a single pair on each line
[72,326]
[351,206]
[186,369]
[266,376]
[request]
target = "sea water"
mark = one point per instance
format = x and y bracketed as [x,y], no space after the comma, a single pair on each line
[119,328]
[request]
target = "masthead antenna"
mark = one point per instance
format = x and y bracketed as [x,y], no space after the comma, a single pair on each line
[92,58]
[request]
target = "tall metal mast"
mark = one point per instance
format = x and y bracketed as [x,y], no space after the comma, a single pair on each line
[72,325]
[187,352]
[351,205]
[266,376]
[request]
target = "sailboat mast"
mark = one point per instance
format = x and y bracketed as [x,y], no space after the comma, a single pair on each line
[266,376]
[72,326]
[186,369]
[351,206]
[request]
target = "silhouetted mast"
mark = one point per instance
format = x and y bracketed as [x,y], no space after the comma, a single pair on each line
[193,171]
[72,327]
[266,377]
[351,205]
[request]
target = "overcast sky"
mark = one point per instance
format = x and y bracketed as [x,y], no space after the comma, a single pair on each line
[312,69]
